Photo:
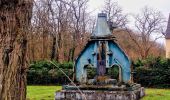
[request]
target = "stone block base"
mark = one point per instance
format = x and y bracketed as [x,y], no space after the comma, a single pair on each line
[99,95]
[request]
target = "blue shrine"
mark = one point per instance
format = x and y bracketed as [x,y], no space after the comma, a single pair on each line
[102,53]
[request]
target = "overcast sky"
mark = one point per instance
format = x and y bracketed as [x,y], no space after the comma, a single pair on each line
[135,6]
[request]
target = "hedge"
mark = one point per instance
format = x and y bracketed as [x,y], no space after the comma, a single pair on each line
[45,73]
[151,72]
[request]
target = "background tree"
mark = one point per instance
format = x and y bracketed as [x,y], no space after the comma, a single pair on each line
[126,38]
[15,16]
[58,32]
[149,23]
[115,13]
[78,17]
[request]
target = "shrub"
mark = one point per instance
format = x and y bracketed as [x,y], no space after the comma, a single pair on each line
[43,73]
[153,72]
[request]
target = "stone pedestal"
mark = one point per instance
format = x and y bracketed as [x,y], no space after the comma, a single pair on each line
[99,95]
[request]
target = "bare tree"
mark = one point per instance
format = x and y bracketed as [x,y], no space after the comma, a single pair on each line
[61,21]
[40,27]
[78,16]
[115,13]
[65,25]
[46,23]
[15,16]
[148,23]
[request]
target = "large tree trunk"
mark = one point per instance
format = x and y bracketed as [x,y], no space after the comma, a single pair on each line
[15,16]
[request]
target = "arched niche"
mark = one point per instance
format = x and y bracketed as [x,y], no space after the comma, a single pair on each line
[115,72]
[91,71]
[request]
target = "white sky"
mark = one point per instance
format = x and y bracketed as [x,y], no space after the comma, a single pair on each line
[134,6]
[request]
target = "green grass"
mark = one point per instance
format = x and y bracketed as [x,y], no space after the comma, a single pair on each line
[41,92]
[157,94]
[47,93]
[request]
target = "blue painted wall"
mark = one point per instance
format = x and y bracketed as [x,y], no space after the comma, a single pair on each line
[114,56]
